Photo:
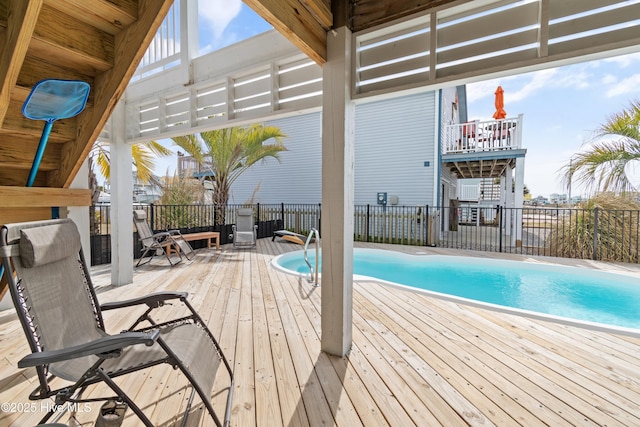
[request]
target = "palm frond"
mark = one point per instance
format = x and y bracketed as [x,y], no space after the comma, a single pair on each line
[230,152]
[603,164]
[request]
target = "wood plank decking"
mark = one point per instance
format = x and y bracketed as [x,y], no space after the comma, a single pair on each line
[415,360]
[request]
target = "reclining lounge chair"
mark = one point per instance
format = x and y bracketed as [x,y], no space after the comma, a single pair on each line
[165,242]
[292,237]
[244,230]
[62,319]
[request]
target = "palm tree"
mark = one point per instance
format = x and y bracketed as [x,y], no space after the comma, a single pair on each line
[614,147]
[143,154]
[229,152]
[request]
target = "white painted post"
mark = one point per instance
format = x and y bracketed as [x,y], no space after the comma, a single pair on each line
[188,38]
[508,199]
[519,201]
[338,137]
[503,200]
[121,200]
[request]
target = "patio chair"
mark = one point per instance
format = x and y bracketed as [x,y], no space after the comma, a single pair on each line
[164,242]
[63,323]
[244,230]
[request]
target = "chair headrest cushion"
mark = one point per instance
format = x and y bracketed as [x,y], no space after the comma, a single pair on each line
[140,215]
[50,243]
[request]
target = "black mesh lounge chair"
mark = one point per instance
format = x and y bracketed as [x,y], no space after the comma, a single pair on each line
[62,320]
[244,230]
[165,242]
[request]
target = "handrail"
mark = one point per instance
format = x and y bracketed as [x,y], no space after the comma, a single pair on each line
[306,257]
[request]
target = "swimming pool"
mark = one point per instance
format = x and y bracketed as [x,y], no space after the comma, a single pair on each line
[547,291]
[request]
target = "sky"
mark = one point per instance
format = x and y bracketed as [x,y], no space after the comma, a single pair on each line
[561,107]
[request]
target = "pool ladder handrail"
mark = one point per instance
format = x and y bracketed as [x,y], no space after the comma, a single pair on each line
[306,257]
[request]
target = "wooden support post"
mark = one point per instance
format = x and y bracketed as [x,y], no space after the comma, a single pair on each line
[121,201]
[338,136]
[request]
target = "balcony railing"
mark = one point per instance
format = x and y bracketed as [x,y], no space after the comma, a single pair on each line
[480,136]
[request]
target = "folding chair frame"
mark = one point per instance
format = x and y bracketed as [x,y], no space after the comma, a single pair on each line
[108,347]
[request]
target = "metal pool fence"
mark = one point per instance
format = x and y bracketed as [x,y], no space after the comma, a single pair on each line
[608,235]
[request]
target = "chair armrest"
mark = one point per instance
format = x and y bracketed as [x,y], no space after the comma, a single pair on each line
[161,234]
[101,346]
[152,300]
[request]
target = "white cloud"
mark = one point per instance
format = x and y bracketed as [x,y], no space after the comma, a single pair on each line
[625,86]
[518,88]
[609,79]
[625,60]
[539,80]
[219,13]
[477,91]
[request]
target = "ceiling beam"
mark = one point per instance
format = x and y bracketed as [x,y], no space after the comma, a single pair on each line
[22,17]
[292,19]
[369,13]
[109,87]
[321,11]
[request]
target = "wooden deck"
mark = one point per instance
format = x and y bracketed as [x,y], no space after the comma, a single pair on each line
[415,360]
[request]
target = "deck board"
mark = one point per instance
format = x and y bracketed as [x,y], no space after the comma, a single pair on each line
[415,360]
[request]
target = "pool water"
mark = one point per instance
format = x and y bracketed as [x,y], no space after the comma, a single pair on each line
[567,292]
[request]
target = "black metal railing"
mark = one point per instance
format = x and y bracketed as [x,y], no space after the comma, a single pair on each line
[608,235]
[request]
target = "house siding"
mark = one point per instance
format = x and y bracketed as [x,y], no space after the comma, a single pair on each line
[394,139]
[450,114]
[296,178]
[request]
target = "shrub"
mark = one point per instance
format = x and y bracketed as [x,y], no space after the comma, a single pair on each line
[617,230]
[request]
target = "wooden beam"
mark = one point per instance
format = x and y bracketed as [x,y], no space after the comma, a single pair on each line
[9,215]
[321,11]
[18,151]
[18,177]
[338,139]
[130,46]
[35,69]
[369,13]
[16,122]
[26,197]
[78,45]
[111,16]
[341,11]
[22,16]
[297,23]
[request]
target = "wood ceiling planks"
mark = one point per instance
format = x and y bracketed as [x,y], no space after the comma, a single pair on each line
[305,22]
[100,42]
[129,47]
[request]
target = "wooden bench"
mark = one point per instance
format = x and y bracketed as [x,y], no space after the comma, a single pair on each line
[209,235]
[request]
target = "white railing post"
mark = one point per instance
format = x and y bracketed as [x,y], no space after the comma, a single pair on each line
[188,29]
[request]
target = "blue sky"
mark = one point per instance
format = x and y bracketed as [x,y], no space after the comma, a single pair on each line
[561,107]
[224,22]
